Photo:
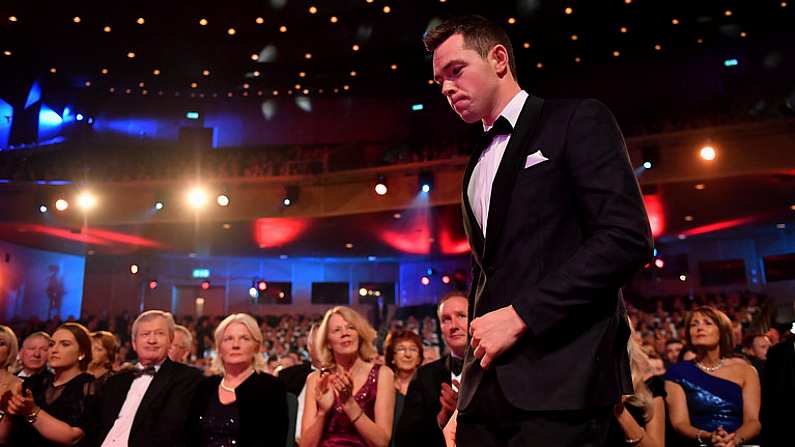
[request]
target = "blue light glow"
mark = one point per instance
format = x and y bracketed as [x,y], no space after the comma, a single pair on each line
[192,115]
[426,188]
[34,96]
[647,165]
[731,63]
[6,118]
[48,117]
[417,107]
[79,117]
[201,273]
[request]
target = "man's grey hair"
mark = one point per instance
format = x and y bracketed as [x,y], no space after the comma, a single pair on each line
[151,315]
[186,332]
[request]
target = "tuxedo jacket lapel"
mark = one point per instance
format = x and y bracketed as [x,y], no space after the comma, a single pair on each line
[511,164]
[159,384]
[473,230]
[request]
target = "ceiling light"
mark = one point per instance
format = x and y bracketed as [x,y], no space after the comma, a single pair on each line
[511,21]
[254,56]
[259,20]
[140,21]
[12,19]
[707,153]
[700,186]
[568,11]
[156,72]
[387,9]
[282,29]
[203,22]
[53,70]
[61,204]
[130,55]
[333,19]
[197,197]
[107,29]
[76,19]
[675,21]
[308,56]
[86,201]
[312,10]
[223,200]
[231,31]
[355,47]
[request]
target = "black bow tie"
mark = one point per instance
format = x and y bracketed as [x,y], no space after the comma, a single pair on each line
[501,127]
[148,371]
[455,365]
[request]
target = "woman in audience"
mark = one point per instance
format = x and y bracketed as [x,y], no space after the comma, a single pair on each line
[55,413]
[640,417]
[404,354]
[9,347]
[104,348]
[244,405]
[350,400]
[714,398]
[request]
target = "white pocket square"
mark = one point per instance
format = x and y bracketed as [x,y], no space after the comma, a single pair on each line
[534,159]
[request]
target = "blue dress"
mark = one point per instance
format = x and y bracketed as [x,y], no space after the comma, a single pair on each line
[712,402]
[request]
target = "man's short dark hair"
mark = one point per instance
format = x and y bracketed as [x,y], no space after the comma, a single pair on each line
[447,296]
[480,34]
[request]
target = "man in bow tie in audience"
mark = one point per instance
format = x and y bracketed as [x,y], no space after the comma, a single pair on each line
[433,393]
[148,405]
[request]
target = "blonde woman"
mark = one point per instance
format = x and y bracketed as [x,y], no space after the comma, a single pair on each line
[350,400]
[640,417]
[243,405]
[9,347]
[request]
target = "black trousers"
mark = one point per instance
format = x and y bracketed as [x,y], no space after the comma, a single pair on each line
[491,421]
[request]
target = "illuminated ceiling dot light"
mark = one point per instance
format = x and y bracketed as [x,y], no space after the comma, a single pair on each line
[657,47]
[623,30]
[61,204]
[616,53]
[86,201]
[231,31]
[197,198]
[526,44]
[568,10]
[355,47]
[313,10]
[203,22]
[302,74]
[53,70]
[387,9]
[140,21]
[134,269]
[7,53]
[574,37]
[727,13]
[76,20]
[282,29]
[131,55]
[393,67]
[254,57]
[353,74]
[333,19]
[675,21]
[511,21]
[12,19]
[206,72]
[259,20]
[222,200]
[308,56]
[577,60]
[156,72]
[107,29]
[700,186]
[539,65]
[707,153]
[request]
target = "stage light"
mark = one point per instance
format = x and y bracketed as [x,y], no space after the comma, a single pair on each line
[86,200]
[424,280]
[362,292]
[683,278]
[417,107]
[197,198]
[262,285]
[647,164]
[446,279]
[192,115]
[205,285]
[425,181]
[707,153]
[223,200]
[252,292]
[659,263]
[159,205]
[79,117]
[134,268]
[153,284]
[380,186]
[291,193]
[61,204]
[42,209]
[731,63]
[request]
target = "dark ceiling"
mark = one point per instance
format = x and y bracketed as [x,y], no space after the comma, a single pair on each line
[650,56]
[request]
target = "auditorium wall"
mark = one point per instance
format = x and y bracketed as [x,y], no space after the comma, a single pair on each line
[31,279]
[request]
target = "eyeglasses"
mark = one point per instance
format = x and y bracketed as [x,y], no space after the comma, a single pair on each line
[403,349]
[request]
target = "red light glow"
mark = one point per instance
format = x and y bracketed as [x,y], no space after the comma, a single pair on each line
[272,232]
[654,209]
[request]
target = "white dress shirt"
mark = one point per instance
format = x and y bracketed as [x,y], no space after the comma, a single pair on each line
[479,188]
[119,434]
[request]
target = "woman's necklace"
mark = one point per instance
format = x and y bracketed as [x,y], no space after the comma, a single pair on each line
[710,369]
[232,389]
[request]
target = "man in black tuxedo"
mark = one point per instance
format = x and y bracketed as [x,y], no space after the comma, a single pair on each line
[431,398]
[557,225]
[149,405]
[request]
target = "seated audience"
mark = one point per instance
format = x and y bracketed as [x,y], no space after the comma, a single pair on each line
[755,346]
[672,349]
[33,355]
[403,353]
[714,398]
[148,405]
[182,345]
[350,401]
[244,405]
[8,357]
[778,394]
[104,347]
[433,393]
[56,412]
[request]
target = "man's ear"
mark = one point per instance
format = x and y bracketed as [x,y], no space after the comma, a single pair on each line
[498,56]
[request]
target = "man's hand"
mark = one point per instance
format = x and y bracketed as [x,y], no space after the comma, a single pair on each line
[449,399]
[449,430]
[494,333]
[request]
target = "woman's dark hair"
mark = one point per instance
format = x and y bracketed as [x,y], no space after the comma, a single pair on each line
[396,337]
[110,343]
[723,323]
[83,338]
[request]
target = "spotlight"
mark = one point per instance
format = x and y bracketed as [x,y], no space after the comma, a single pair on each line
[42,209]
[683,278]
[262,285]
[424,280]
[153,284]
[659,263]
[86,200]
[362,292]
[446,279]
[197,198]
[287,201]
[133,268]
[425,181]
[79,117]
[647,164]
[205,285]
[252,292]
[707,153]
[223,200]
[380,186]
[159,205]
[61,204]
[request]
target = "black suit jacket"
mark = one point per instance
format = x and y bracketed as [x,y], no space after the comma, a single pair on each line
[778,394]
[262,405]
[162,417]
[563,236]
[294,377]
[417,424]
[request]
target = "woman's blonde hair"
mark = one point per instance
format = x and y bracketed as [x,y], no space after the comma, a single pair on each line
[258,362]
[367,335]
[641,369]
[7,334]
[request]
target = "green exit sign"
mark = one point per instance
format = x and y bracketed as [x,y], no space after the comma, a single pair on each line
[201,273]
